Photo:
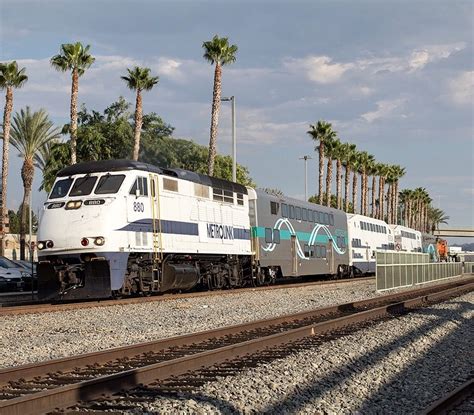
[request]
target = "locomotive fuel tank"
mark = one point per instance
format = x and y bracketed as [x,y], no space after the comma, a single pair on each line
[179,277]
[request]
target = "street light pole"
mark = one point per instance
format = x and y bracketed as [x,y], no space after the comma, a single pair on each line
[234,137]
[305,158]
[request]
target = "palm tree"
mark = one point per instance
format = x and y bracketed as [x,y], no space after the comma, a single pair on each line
[338,154]
[10,77]
[373,171]
[383,170]
[399,172]
[365,160]
[31,132]
[405,201]
[349,152]
[323,133]
[217,51]
[435,218]
[73,57]
[139,80]
[330,150]
[355,169]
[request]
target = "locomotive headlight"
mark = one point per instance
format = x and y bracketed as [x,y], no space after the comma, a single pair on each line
[84,241]
[49,244]
[41,245]
[100,240]
[73,204]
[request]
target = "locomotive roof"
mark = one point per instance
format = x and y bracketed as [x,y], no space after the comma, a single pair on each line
[121,165]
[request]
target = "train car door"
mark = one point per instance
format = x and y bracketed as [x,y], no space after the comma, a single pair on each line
[294,256]
[330,256]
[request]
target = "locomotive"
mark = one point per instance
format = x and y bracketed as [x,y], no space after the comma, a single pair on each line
[120,227]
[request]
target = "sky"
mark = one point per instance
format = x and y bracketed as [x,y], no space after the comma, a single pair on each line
[394,77]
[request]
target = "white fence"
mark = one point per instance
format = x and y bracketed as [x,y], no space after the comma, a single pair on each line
[402,269]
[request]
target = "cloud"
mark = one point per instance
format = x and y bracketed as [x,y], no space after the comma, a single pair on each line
[461,88]
[385,108]
[318,69]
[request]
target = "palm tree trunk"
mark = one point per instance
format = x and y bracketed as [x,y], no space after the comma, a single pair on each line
[328,182]
[346,187]
[396,203]
[374,183]
[321,172]
[216,104]
[74,91]
[338,183]
[389,203]
[354,192]
[381,195]
[362,188]
[27,172]
[138,124]
[366,194]
[5,155]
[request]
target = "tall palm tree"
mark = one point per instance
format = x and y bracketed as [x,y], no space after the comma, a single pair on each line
[399,172]
[383,170]
[139,80]
[10,78]
[373,171]
[356,170]
[330,151]
[405,199]
[390,179]
[323,133]
[435,218]
[365,160]
[73,57]
[338,154]
[219,53]
[31,132]
[349,152]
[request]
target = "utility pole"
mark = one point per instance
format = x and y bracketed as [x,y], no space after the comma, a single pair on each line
[305,158]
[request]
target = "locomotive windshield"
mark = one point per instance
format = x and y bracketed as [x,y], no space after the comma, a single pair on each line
[83,186]
[109,184]
[61,188]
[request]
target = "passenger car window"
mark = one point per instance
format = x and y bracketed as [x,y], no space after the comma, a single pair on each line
[305,214]
[274,207]
[109,184]
[331,219]
[284,210]
[326,218]
[298,213]
[268,235]
[276,236]
[61,188]
[83,186]
[292,212]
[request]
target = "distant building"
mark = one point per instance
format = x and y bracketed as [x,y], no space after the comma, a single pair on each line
[12,246]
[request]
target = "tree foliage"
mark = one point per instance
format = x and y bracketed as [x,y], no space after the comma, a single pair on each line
[110,135]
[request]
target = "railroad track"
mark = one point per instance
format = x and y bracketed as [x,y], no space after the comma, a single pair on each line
[62,383]
[10,309]
[461,400]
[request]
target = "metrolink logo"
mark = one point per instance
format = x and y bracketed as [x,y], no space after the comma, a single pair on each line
[220,231]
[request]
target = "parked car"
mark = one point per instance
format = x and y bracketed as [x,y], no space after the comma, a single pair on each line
[30,278]
[11,275]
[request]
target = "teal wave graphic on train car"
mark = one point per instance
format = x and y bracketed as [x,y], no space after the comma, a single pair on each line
[312,238]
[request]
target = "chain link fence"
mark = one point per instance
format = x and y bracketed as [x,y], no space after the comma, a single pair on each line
[402,269]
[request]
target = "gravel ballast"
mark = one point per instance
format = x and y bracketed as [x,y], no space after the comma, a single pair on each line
[397,366]
[36,337]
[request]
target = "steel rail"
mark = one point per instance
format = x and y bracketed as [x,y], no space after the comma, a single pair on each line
[64,396]
[10,309]
[451,400]
[68,363]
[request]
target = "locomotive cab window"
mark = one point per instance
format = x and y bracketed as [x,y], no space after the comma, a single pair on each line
[61,188]
[274,207]
[109,184]
[140,187]
[83,186]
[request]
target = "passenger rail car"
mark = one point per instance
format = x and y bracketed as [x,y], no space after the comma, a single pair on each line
[297,238]
[406,239]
